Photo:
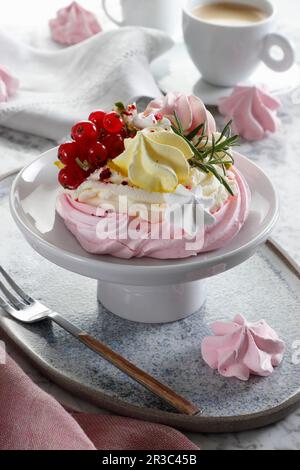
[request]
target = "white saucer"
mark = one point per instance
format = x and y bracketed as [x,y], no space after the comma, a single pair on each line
[277,83]
[144,289]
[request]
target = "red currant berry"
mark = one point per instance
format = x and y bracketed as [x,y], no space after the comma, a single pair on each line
[124,133]
[97,155]
[67,152]
[84,131]
[71,177]
[114,144]
[113,123]
[102,134]
[97,118]
[64,177]
[105,174]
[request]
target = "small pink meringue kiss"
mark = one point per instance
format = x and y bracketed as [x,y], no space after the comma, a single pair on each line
[240,348]
[73,24]
[189,108]
[8,84]
[253,111]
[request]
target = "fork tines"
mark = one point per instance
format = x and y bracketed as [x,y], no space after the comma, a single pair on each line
[8,297]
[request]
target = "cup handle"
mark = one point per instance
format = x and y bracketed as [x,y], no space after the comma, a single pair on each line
[117,22]
[287,48]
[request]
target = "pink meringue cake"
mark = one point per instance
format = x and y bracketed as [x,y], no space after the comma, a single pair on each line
[159,184]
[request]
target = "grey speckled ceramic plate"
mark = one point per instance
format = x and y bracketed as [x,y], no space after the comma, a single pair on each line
[265,286]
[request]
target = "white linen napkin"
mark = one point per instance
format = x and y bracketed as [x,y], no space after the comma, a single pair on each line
[61,87]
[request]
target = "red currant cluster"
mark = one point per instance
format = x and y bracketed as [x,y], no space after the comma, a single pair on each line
[93,143]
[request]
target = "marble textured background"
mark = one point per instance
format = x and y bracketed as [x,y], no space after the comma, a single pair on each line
[279,155]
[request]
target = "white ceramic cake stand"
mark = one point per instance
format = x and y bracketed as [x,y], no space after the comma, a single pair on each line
[143,290]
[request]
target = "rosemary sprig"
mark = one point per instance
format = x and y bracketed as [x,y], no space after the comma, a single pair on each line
[178,122]
[196,131]
[200,141]
[193,148]
[208,158]
[222,146]
[226,131]
[208,168]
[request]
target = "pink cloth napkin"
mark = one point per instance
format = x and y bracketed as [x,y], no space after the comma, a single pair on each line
[30,419]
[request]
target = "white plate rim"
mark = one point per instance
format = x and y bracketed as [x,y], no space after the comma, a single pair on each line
[117,265]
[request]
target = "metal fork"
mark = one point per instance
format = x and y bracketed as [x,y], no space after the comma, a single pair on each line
[24,308]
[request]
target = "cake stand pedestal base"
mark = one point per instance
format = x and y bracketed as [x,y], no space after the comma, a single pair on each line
[152,304]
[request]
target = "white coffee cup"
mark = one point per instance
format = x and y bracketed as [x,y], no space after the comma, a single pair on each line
[158,14]
[226,55]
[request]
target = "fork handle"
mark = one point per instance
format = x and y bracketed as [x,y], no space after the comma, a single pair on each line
[139,375]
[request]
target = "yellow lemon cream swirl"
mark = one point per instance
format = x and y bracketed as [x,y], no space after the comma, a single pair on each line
[155,160]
